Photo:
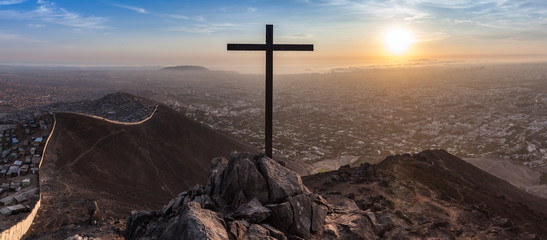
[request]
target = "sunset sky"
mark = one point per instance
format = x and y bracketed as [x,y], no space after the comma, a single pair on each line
[344,32]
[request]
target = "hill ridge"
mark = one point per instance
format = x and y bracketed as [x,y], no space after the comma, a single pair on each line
[122,166]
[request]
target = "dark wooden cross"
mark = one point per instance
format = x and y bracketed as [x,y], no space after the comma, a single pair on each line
[269,47]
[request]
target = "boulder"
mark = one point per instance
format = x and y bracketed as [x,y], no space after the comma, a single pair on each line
[253,211]
[241,175]
[138,222]
[319,213]
[214,180]
[379,222]
[302,215]
[282,182]
[256,231]
[281,217]
[205,202]
[196,223]
[274,232]
[237,229]
[330,232]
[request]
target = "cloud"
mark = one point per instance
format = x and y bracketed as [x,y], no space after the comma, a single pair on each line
[183,17]
[49,12]
[136,9]
[298,36]
[36,25]
[176,16]
[8,36]
[15,37]
[10,2]
[251,9]
[203,28]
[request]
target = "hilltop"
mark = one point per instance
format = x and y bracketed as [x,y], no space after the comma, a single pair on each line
[122,166]
[432,194]
[187,68]
[435,194]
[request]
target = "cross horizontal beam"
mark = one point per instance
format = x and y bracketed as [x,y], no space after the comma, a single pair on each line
[269,48]
[275,47]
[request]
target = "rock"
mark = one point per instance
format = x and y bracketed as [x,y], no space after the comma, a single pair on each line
[214,180]
[94,213]
[205,202]
[380,222]
[302,213]
[241,174]
[397,233]
[256,231]
[504,223]
[330,232]
[281,216]
[138,222]
[196,223]
[351,225]
[274,232]
[237,229]
[239,200]
[403,216]
[319,212]
[78,237]
[345,205]
[282,182]
[253,211]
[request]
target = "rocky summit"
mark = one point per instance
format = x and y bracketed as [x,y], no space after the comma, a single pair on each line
[246,197]
[249,196]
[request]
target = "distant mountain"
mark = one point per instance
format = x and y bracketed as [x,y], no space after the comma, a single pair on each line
[123,166]
[187,68]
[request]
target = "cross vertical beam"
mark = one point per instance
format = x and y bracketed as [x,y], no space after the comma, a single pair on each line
[268,131]
[269,47]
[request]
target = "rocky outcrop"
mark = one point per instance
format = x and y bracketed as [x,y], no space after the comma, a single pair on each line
[254,197]
[246,197]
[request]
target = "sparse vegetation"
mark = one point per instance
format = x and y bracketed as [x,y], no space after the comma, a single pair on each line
[323,170]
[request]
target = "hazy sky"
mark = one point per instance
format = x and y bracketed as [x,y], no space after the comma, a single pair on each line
[345,32]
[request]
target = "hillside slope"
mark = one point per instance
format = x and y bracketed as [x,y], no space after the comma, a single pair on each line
[434,194]
[122,166]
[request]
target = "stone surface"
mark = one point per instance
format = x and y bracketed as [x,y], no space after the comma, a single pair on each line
[241,174]
[256,231]
[379,222]
[196,223]
[281,217]
[302,215]
[253,211]
[282,182]
[247,197]
[351,226]
[218,165]
[94,213]
[237,229]
[138,222]
[274,232]
[319,213]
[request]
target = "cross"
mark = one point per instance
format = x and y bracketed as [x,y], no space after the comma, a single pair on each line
[269,47]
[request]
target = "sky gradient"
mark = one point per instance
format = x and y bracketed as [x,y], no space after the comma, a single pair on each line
[344,32]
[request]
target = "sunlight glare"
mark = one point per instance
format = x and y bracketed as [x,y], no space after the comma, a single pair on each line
[398,41]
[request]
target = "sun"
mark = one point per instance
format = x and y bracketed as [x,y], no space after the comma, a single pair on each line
[398,41]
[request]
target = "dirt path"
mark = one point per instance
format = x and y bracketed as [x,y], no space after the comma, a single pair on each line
[93,147]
